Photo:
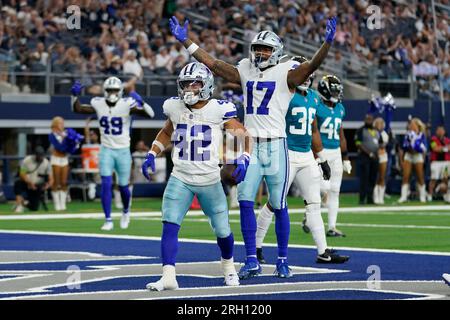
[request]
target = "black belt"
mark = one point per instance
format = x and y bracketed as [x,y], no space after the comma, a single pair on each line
[258,139]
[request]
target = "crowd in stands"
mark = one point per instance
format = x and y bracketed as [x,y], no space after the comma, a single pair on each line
[124,37]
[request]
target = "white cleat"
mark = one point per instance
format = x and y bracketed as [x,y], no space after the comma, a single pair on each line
[231,280]
[125,221]
[163,284]
[19,209]
[108,226]
[446,278]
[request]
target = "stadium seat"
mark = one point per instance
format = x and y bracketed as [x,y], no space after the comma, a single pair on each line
[156,88]
[140,88]
[171,88]
[63,87]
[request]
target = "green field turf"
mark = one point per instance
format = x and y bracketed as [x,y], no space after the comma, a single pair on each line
[415,230]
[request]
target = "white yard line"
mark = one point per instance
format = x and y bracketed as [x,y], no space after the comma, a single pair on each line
[127,237]
[423,210]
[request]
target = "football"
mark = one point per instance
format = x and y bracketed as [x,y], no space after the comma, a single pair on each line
[226,174]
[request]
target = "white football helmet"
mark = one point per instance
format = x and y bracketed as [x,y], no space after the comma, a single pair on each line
[195,72]
[113,89]
[269,39]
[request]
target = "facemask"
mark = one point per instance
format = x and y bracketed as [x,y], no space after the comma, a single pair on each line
[113,98]
[190,98]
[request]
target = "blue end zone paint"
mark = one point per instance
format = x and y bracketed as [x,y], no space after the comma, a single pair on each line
[318,295]
[394,266]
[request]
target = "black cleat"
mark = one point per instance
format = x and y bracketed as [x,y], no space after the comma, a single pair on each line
[330,256]
[305,227]
[335,233]
[260,256]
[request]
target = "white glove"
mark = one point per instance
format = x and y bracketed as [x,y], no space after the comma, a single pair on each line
[347,165]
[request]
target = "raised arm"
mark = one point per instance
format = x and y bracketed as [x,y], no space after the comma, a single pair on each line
[75,102]
[300,75]
[219,67]
[141,108]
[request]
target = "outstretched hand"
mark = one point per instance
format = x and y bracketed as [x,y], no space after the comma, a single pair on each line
[330,30]
[76,88]
[179,32]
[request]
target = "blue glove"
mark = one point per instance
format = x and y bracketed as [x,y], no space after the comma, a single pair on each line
[76,88]
[242,165]
[149,162]
[137,97]
[331,30]
[179,32]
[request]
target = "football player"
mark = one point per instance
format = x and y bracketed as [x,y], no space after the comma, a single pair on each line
[330,114]
[267,84]
[195,126]
[113,113]
[302,134]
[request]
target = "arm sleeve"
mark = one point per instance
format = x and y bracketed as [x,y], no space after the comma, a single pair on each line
[228,111]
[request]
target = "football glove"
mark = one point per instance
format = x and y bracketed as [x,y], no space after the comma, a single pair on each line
[76,88]
[347,165]
[326,170]
[179,32]
[148,163]
[241,167]
[137,97]
[330,30]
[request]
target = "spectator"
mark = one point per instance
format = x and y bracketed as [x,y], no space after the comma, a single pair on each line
[414,148]
[383,140]
[147,61]
[164,62]
[439,158]
[366,140]
[138,159]
[132,66]
[35,177]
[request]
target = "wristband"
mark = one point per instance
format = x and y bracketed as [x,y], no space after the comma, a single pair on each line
[153,153]
[149,110]
[246,154]
[159,145]
[192,48]
[321,156]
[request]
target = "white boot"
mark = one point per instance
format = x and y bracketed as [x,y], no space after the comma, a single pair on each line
[381,191]
[63,198]
[404,194]
[376,194]
[234,203]
[422,193]
[168,280]
[231,277]
[56,200]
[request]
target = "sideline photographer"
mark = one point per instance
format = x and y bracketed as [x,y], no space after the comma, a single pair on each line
[35,178]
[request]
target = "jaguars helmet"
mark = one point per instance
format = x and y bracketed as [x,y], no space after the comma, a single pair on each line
[269,39]
[308,83]
[330,89]
[113,89]
[195,72]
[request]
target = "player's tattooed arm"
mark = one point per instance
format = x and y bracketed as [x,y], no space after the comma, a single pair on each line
[300,74]
[343,143]
[218,67]
[163,137]
[316,139]
[77,107]
[235,128]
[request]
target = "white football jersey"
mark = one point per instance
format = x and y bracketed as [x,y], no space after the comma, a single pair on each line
[197,139]
[266,98]
[114,121]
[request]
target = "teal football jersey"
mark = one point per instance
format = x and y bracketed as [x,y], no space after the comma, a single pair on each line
[329,121]
[299,119]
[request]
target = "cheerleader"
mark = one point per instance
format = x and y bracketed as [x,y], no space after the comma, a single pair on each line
[383,140]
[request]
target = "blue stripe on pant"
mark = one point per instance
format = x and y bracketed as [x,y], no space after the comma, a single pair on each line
[178,198]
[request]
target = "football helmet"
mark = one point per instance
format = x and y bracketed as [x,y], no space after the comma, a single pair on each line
[308,83]
[190,74]
[113,89]
[269,39]
[330,89]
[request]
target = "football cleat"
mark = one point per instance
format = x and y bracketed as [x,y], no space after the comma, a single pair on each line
[330,256]
[249,269]
[305,227]
[231,280]
[108,226]
[446,278]
[163,284]
[335,233]
[125,221]
[260,256]
[283,270]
